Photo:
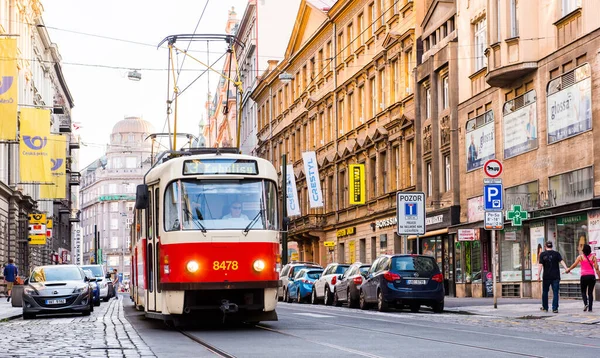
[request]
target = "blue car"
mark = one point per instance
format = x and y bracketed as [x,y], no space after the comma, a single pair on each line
[94,285]
[301,286]
[403,280]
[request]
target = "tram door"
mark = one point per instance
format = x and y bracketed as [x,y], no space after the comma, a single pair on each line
[150,253]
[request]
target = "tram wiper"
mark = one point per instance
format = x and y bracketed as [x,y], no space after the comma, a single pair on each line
[247,229]
[195,221]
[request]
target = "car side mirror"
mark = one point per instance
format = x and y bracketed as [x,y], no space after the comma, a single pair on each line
[86,279]
[26,282]
[107,276]
[141,197]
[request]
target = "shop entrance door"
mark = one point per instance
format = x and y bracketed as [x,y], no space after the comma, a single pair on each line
[448,266]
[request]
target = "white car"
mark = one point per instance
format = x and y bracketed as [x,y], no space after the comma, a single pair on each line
[324,287]
[98,272]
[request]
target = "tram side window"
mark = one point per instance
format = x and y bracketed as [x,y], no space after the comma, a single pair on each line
[172,202]
[149,213]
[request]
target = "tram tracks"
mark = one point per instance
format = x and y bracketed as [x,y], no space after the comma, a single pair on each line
[211,348]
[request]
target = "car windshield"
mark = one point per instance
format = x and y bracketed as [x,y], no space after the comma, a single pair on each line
[420,264]
[96,270]
[194,204]
[341,269]
[58,273]
[313,274]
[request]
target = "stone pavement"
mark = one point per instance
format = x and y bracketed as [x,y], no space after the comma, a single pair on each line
[569,310]
[105,333]
[7,311]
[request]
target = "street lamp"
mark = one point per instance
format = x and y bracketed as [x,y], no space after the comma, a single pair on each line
[134,75]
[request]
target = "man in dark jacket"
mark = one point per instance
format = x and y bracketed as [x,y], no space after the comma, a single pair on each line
[549,260]
[10,275]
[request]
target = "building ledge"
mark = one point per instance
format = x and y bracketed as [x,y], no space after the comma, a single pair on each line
[506,75]
[568,17]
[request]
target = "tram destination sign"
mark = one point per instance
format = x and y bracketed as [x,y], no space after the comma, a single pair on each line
[410,209]
[220,167]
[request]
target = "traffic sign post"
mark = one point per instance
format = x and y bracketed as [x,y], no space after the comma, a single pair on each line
[493,193]
[494,220]
[492,168]
[410,210]
[492,197]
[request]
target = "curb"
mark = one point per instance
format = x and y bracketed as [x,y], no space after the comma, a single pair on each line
[10,318]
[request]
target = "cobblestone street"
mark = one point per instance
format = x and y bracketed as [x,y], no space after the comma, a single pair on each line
[105,333]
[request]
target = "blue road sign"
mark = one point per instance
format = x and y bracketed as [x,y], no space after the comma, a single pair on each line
[492,197]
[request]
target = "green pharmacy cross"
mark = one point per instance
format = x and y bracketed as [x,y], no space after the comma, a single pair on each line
[516,215]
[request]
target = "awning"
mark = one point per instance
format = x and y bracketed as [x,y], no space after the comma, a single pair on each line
[430,233]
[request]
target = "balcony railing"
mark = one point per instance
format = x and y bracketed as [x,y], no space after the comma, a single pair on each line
[308,222]
[74,217]
[65,206]
[75,178]
[64,123]
[74,142]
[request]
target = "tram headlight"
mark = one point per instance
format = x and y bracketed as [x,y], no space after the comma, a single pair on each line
[192,266]
[258,265]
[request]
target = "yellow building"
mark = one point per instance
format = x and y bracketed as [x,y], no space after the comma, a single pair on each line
[345,91]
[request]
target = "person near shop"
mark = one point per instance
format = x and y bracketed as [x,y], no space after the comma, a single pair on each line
[115,281]
[589,269]
[549,260]
[10,275]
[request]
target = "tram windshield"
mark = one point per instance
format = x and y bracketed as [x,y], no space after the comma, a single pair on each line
[195,204]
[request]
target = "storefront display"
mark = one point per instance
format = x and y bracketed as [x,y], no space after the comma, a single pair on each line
[536,239]
[572,235]
[511,269]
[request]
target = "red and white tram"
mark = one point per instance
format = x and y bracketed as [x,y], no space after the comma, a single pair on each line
[206,237]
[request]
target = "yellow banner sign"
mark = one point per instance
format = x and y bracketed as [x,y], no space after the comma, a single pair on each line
[49,223]
[345,232]
[8,89]
[37,239]
[357,184]
[57,145]
[352,250]
[37,219]
[329,243]
[33,146]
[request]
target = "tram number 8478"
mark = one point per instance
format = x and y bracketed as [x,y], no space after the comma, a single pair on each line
[225,265]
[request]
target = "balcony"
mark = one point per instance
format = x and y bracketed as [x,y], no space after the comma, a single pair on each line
[308,222]
[74,142]
[64,123]
[74,217]
[505,75]
[74,178]
[65,206]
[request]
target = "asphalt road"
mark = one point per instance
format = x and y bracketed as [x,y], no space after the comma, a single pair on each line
[310,331]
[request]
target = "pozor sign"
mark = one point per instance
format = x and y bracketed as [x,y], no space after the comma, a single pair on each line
[410,210]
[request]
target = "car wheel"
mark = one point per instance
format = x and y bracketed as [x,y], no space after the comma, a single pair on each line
[328,297]
[336,299]
[382,306]
[86,313]
[97,303]
[288,298]
[298,297]
[313,297]
[28,315]
[438,307]
[352,303]
[105,299]
[362,302]
[414,308]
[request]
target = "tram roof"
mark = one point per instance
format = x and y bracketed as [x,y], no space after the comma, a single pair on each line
[173,168]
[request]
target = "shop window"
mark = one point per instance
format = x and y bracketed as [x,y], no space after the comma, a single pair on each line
[432,247]
[341,252]
[511,244]
[572,234]
[383,242]
[373,248]
[362,253]
[468,261]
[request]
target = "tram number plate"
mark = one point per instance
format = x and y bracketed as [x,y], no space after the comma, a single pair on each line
[56,302]
[416,282]
[225,265]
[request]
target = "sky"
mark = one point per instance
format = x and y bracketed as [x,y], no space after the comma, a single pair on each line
[124,35]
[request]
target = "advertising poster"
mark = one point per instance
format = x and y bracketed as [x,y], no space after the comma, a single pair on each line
[9,90]
[357,184]
[569,111]
[536,234]
[293,205]
[594,232]
[480,145]
[313,181]
[34,165]
[520,131]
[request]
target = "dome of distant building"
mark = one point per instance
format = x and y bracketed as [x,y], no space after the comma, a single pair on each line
[133,125]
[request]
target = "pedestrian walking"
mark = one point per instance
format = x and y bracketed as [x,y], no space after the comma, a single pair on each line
[10,275]
[589,269]
[549,260]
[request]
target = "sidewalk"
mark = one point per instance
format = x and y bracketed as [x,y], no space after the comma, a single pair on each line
[7,311]
[570,310]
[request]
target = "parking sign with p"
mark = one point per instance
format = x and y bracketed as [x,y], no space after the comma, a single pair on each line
[492,197]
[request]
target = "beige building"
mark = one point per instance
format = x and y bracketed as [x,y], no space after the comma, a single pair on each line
[528,73]
[345,91]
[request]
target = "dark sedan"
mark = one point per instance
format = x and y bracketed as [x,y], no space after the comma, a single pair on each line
[403,280]
[347,289]
[57,289]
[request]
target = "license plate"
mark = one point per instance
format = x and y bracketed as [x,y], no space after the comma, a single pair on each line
[416,282]
[56,302]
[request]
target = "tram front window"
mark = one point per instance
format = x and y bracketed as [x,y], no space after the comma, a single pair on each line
[193,204]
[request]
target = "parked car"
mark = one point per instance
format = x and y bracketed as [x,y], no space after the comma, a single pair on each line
[323,288]
[403,280]
[300,286]
[348,286]
[290,270]
[95,286]
[57,289]
[98,271]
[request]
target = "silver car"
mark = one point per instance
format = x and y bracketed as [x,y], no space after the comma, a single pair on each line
[57,289]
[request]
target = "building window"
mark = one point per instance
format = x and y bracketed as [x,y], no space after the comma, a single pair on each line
[411,162]
[114,206]
[480,44]
[330,193]
[429,179]
[373,177]
[373,97]
[514,19]
[382,12]
[396,167]
[342,189]
[408,66]
[350,38]
[447,172]
[383,171]
[361,105]
[382,89]
[361,26]
[445,87]
[568,6]
[396,79]
[330,120]
[351,120]
[341,116]
[428,103]
[372,16]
